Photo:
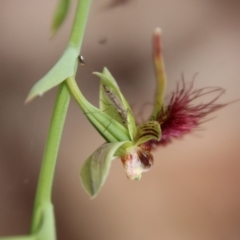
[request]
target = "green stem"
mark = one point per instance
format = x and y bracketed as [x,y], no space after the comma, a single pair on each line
[44,189]
[79,24]
[45,183]
[43,222]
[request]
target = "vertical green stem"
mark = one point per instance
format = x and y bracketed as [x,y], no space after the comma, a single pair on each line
[79,24]
[43,222]
[42,205]
[45,183]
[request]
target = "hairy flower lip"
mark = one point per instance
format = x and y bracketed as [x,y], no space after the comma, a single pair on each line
[181,115]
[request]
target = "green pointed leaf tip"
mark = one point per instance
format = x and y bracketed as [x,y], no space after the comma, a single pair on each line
[60,14]
[64,68]
[110,77]
[96,168]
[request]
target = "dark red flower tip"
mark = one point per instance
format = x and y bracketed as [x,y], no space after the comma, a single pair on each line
[183,114]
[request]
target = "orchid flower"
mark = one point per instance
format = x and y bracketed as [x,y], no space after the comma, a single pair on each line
[114,120]
[132,143]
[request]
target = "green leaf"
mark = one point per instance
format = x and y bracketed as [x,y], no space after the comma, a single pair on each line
[60,14]
[148,131]
[96,168]
[64,68]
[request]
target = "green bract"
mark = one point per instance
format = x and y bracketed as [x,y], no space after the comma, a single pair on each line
[64,68]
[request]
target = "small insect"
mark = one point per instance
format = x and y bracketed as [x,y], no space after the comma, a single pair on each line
[116,103]
[81,60]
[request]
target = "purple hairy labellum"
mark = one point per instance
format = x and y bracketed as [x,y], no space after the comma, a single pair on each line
[181,115]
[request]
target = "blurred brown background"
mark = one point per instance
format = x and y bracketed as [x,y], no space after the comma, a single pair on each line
[192,192]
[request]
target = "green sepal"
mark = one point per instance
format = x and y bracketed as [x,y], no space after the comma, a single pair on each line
[108,80]
[110,129]
[146,131]
[60,14]
[107,107]
[104,103]
[103,100]
[95,169]
[64,68]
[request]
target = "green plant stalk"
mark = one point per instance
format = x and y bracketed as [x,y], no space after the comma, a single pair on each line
[80,22]
[45,183]
[44,189]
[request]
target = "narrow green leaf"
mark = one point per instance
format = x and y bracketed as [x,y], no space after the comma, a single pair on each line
[60,14]
[148,131]
[64,68]
[96,168]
